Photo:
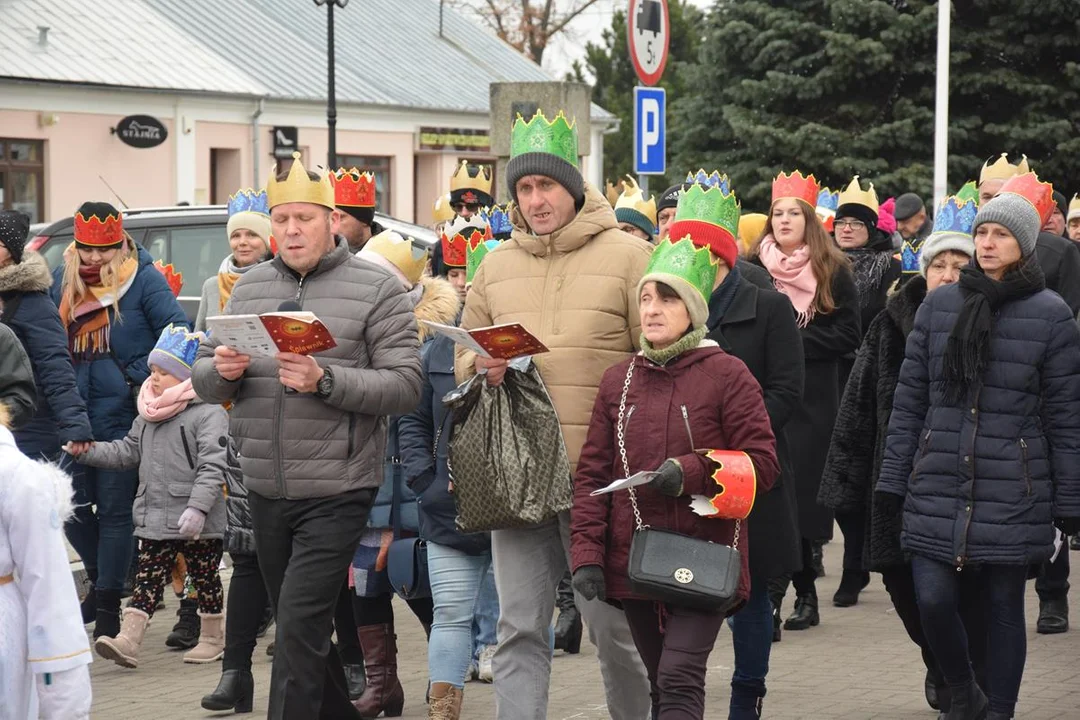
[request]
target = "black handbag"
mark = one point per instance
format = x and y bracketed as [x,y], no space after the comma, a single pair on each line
[406,560]
[674,568]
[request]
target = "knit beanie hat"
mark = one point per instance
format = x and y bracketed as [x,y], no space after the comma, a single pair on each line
[953,225]
[540,147]
[250,210]
[14,229]
[710,219]
[1061,202]
[687,269]
[175,351]
[670,198]
[1015,213]
[631,207]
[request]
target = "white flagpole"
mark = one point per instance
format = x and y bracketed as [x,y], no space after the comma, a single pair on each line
[941,105]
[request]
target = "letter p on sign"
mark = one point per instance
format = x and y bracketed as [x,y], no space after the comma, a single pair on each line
[650,147]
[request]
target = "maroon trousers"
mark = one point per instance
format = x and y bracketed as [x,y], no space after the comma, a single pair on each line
[675,649]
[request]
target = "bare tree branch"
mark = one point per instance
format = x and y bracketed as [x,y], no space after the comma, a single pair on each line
[566,19]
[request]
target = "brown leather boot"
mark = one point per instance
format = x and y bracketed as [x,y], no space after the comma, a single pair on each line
[383,693]
[445,702]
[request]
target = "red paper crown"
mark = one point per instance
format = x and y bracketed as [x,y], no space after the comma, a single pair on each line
[454,247]
[1028,186]
[737,479]
[94,232]
[796,186]
[353,188]
[174,278]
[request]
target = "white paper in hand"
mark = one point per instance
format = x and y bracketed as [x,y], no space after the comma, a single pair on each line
[1059,540]
[634,480]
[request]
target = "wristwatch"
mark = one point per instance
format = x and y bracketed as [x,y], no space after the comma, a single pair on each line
[325,385]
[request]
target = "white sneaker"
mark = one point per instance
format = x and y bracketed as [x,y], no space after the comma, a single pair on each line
[484,669]
[472,673]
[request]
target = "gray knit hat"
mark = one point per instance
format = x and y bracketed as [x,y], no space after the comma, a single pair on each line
[552,166]
[1017,214]
[549,148]
[940,242]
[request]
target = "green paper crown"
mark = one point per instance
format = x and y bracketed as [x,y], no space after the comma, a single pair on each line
[710,206]
[475,251]
[683,260]
[558,137]
[970,191]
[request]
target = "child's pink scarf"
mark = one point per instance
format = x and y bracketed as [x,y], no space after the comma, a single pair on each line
[155,408]
[793,275]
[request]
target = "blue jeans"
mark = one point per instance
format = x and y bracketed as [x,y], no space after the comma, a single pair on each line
[485,614]
[456,582]
[103,534]
[1001,594]
[751,638]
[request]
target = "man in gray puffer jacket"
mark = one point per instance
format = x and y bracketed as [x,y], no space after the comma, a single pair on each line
[310,430]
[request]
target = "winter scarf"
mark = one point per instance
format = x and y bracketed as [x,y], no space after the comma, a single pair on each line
[689,341]
[227,276]
[792,275]
[722,297]
[171,402]
[869,267]
[88,328]
[968,347]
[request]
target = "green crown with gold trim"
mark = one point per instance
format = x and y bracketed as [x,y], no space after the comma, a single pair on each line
[476,249]
[557,137]
[711,206]
[683,260]
[968,191]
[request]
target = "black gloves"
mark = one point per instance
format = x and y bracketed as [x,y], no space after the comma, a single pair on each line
[888,504]
[669,481]
[1069,525]
[589,581]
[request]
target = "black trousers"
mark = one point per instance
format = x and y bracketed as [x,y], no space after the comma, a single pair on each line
[853,527]
[246,603]
[348,641]
[305,548]
[1053,580]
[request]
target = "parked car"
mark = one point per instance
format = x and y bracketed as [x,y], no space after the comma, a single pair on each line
[192,238]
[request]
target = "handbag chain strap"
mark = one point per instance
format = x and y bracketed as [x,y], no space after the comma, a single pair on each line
[621,436]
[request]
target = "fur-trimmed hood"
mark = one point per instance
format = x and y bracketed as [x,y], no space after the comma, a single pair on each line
[439,302]
[30,275]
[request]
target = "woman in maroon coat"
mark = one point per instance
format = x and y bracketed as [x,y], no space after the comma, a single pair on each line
[683,394]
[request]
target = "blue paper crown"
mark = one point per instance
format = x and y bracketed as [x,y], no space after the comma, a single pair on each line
[498,219]
[828,200]
[249,201]
[709,180]
[177,342]
[955,216]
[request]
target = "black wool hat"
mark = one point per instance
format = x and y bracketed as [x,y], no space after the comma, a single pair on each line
[1062,203]
[365,215]
[908,205]
[670,198]
[859,212]
[14,230]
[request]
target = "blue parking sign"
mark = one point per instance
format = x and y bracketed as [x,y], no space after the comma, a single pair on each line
[650,146]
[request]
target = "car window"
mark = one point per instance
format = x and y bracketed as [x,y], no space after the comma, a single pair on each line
[53,249]
[197,252]
[156,243]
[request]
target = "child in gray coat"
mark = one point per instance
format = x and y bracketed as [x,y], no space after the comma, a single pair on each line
[178,443]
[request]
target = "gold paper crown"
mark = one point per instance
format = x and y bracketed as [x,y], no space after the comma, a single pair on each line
[1002,169]
[401,251]
[298,187]
[1074,207]
[612,192]
[463,178]
[443,212]
[853,194]
[633,198]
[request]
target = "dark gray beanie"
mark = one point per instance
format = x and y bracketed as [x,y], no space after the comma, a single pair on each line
[14,229]
[1017,214]
[907,205]
[552,166]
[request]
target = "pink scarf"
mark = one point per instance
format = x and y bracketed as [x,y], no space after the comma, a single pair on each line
[792,275]
[171,402]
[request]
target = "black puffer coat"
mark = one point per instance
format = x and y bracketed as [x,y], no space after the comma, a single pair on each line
[239,536]
[983,480]
[858,441]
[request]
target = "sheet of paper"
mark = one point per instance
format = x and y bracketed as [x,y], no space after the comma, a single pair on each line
[243,333]
[624,483]
[459,336]
[1059,541]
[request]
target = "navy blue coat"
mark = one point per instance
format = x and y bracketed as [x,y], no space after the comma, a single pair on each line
[984,479]
[30,312]
[147,307]
[427,476]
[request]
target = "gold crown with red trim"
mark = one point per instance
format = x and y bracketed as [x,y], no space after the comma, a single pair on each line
[172,276]
[353,188]
[797,186]
[456,237]
[96,232]
[1028,186]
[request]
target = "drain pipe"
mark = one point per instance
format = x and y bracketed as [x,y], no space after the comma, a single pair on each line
[255,140]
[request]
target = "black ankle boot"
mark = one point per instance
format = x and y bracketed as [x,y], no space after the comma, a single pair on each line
[107,615]
[185,634]
[805,614]
[568,631]
[968,703]
[235,691]
[852,583]
[776,623]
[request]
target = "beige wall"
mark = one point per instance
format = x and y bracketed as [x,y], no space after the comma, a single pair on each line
[226,136]
[79,147]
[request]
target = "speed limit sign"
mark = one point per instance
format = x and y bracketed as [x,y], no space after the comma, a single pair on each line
[650,33]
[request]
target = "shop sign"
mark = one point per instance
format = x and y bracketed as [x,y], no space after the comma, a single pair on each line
[141,131]
[455,140]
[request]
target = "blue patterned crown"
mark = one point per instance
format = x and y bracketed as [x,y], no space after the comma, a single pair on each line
[828,199]
[499,220]
[955,216]
[249,201]
[175,345]
[708,180]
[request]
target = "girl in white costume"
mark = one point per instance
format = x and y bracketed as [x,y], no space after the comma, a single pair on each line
[44,653]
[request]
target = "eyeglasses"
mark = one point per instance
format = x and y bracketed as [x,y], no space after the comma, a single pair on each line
[472,207]
[853,224]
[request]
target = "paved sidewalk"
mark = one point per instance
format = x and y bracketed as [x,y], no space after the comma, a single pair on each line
[857,664]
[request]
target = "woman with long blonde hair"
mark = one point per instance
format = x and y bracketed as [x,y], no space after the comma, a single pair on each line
[113,305]
[807,267]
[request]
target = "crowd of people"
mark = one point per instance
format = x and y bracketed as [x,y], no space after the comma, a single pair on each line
[910,376]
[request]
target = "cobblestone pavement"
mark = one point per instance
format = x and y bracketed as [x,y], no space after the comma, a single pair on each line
[857,664]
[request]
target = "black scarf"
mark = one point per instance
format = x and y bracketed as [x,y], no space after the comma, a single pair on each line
[722,296]
[968,347]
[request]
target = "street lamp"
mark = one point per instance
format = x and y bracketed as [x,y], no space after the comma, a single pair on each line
[331,100]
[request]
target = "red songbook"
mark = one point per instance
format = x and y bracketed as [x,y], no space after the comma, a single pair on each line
[267,334]
[503,342]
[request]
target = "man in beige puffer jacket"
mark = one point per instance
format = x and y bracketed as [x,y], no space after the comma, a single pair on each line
[569,275]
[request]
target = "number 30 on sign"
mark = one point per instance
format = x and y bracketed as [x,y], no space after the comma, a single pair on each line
[649,35]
